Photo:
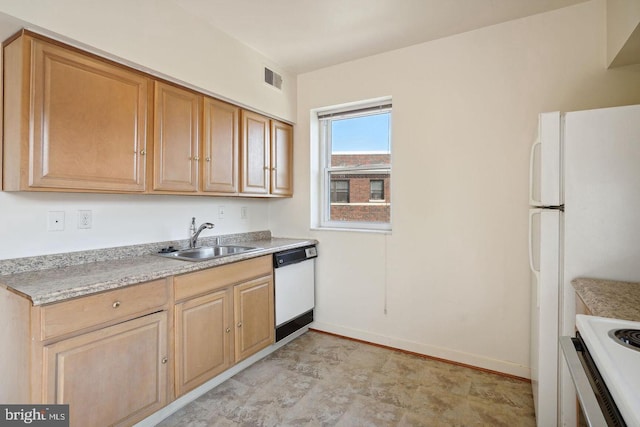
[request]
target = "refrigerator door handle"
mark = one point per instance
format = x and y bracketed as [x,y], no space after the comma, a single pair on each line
[532,213]
[532,200]
[536,273]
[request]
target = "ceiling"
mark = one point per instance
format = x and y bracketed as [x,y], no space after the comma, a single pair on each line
[305,35]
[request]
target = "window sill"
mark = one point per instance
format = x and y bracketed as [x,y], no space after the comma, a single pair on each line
[352,229]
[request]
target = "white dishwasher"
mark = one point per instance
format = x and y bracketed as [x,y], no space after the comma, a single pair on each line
[294,289]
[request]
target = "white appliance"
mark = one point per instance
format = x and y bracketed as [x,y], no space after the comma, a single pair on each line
[584,222]
[294,277]
[604,360]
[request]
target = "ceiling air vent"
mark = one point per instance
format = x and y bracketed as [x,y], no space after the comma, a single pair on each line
[272,78]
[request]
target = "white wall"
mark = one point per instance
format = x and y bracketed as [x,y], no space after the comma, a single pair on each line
[159,36]
[118,220]
[454,272]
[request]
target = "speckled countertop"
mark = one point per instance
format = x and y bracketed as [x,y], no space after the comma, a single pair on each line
[610,298]
[52,278]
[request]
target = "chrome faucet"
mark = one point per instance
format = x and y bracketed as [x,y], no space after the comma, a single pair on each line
[193,240]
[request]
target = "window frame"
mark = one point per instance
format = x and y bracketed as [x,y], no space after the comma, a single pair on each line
[383,105]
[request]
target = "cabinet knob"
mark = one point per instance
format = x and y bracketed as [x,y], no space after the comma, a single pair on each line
[228,330]
[196,158]
[239,324]
[143,152]
[116,304]
[164,360]
[266,168]
[208,159]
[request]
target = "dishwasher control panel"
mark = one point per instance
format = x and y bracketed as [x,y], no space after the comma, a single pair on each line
[292,256]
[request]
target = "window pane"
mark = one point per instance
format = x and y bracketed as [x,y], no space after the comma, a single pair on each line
[351,197]
[339,191]
[361,141]
[377,189]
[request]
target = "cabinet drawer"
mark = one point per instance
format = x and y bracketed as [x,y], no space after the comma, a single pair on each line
[64,317]
[204,281]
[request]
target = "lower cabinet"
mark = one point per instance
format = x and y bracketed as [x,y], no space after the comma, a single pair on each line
[118,356]
[112,376]
[223,315]
[106,355]
[203,339]
[254,316]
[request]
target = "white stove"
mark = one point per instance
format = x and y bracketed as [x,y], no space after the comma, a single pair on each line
[617,363]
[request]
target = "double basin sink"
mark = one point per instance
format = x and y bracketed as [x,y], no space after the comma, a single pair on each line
[205,253]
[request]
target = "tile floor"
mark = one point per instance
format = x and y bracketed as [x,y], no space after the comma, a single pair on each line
[322,380]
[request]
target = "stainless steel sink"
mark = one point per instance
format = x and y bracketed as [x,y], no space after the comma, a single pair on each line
[205,253]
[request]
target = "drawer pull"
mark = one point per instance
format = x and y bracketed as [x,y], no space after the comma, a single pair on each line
[228,330]
[116,304]
[164,360]
[239,324]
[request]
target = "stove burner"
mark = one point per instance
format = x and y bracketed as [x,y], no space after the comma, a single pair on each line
[627,337]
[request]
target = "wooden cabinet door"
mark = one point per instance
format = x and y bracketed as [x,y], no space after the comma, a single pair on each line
[281,158]
[176,138]
[253,316]
[89,121]
[220,147]
[203,339]
[255,154]
[112,376]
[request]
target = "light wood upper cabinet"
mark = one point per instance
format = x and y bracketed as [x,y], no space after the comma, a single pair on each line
[76,122]
[187,160]
[72,121]
[255,163]
[267,156]
[176,138]
[281,158]
[112,376]
[220,147]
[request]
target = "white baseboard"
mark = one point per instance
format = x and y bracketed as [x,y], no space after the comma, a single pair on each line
[474,360]
[155,418]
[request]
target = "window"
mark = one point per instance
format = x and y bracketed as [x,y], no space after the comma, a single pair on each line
[339,191]
[355,160]
[376,191]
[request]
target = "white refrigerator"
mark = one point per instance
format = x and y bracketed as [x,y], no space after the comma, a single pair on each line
[584,221]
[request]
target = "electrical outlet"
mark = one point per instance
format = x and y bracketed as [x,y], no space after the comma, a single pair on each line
[244,212]
[55,221]
[220,212]
[84,219]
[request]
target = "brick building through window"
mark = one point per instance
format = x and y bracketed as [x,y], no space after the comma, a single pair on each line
[362,195]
